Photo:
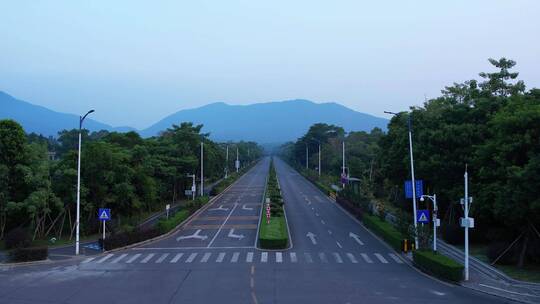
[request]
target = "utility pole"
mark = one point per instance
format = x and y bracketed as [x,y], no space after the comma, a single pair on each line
[466,221]
[227,162]
[77,224]
[202,168]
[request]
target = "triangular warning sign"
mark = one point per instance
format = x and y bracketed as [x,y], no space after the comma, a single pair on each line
[422,218]
[104,215]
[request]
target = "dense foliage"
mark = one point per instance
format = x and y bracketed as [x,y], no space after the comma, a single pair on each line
[491,126]
[131,175]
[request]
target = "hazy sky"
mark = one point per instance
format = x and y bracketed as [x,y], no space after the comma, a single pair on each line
[137,61]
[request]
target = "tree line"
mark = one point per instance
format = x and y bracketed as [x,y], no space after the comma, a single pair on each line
[133,176]
[490,125]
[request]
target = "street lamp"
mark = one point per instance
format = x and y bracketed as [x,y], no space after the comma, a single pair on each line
[412,175]
[436,221]
[77,224]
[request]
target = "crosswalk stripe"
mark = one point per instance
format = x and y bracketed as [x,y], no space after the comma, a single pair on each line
[395,258]
[119,258]
[162,257]
[206,257]
[249,257]
[220,257]
[88,260]
[264,257]
[133,258]
[147,258]
[322,256]
[338,258]
[235,256]
[308,257]
[279,257]
[191,257]
[352,258]
[108,256]
[366,258]
[177,257]
[293,257]
[381,258]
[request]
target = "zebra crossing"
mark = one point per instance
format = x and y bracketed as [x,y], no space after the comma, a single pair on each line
[236,257]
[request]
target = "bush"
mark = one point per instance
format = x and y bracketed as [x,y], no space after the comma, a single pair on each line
[29,254]
[17,238]
[127,238]
[166,225]
[384,230]
[275,234]
[438,265]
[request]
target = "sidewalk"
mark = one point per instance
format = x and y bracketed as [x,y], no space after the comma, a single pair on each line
[486,278]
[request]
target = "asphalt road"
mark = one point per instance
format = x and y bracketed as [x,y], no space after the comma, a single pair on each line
[214,260]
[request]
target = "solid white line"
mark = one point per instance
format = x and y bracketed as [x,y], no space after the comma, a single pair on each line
[294,259]
[264,257]
[119,258]
[221,227]
[162,258]
[220,257]
[133,258]
[108,256]
[338,258]
[147,258]
[191,257]
[249,257]
[279,257]
[235,257]
[88,260]
[395,258]
[366,258]
[352,258]
[206,257]
[381,258]
[176,257]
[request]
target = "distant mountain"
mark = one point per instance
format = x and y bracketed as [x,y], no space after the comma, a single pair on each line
[268,122]
[41,120]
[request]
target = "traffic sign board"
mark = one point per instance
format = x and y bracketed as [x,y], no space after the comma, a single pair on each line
[419,187]
[104,214]
[422,216]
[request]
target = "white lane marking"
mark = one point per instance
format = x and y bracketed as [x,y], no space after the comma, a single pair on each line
[338,258]
[366,258]
[220,208]
[162,258]
[88,260]
[381,258]
[246,208]
[195,235]
[191,257]
[279,257]
[438,293]
[206,257]
[356,238]
[264,257]
[330,232]
[505,290]
[323,222]
[294,259]
[322,256]
[220,257]
[308,257]
[352,258]
[311,236]
[235,256]
[119,258]
[108,256]
[147,258]
[235,236]
[133,258]
[176,257]
[222,224]
[249,257]
[339,245]
[395,258]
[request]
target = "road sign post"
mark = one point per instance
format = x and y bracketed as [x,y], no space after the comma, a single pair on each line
[167,208]
[104,214]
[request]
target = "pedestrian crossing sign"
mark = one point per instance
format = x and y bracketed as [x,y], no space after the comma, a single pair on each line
[104,214]
[422,216]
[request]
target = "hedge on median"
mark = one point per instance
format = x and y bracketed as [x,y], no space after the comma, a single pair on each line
[274,235]
[438,265]
[166,225]
[27,254]
[384,230]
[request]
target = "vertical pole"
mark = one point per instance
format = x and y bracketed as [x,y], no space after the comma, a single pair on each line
[237,164]
[103,230]
[343,163]
[193,187]
[307,156]
[77,224]
[413,184]
[202,168]
[435,222]
[319,159]
[227,162]
[466,202]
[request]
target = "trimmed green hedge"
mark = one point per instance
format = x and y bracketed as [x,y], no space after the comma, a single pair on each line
[439,265]
[273,235]
[166,225]
[384,230]
[29,254]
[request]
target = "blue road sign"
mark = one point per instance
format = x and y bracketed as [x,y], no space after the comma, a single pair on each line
[104,214]
[422,216]
[419,188]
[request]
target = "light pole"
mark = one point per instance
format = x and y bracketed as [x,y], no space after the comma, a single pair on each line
[77,224]
[433,198]
[202,168]
[412,176]
[466,222]
[343,165]
[319,159]
[227,162]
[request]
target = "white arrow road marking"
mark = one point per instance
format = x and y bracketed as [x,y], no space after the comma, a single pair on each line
[193,236]
[356,238]
[220,208]
[246,208]
[235,236]
[312,236]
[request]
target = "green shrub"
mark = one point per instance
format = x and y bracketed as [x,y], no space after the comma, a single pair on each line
[29,254]
[439,265]
[166,225]
[274,235]
[118,240]
[384,230]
